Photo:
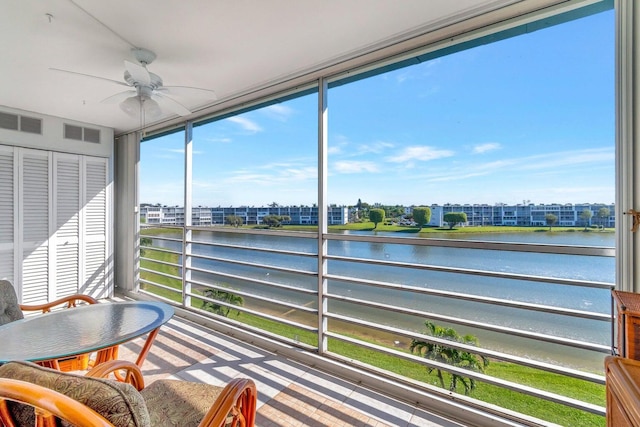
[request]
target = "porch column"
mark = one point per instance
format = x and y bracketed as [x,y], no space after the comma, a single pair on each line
[126,212]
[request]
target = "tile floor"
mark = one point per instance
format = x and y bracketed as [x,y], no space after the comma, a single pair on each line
[289,394]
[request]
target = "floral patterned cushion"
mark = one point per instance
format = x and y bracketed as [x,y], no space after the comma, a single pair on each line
[119,403]
[9,307]
[179,403]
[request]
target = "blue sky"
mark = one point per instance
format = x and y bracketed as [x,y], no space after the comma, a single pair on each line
[528,118]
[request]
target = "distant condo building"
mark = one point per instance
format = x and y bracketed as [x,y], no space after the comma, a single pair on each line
[205,216]
[568,215]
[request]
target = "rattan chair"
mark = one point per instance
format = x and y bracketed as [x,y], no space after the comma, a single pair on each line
[11,310]
[93,400]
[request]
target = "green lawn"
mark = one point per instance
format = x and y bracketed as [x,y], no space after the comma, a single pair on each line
[368,226]
[560,414]
[539,408]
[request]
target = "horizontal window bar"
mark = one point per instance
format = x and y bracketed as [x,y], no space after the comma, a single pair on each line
[156,261]
[257,281]
[474,298]
[159,273]
[249,295]
[574,373]
[254,264]
[480,325]
[256,249]
[486,273]
[255,313]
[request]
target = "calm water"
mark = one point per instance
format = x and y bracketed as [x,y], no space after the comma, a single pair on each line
[599,269]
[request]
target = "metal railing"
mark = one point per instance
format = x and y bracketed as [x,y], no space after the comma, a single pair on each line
[380,288]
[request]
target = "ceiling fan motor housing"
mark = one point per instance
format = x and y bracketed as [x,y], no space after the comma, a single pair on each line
[156,81]
[143,56]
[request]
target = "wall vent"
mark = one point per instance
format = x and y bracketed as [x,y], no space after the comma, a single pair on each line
[31,125]
[92,135]
[73,132]
[21,123]
[79,133]
[8,121]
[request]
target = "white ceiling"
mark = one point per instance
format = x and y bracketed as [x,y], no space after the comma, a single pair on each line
[229,46]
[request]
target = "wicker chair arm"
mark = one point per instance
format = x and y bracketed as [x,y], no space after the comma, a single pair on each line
[70,301]
[48,403]
[239,399]
[132,375]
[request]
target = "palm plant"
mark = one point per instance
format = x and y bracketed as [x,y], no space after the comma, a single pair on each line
[223,296]
[144,241]
[451,356]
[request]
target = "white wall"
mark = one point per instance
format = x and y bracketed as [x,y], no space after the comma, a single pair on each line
[52,137]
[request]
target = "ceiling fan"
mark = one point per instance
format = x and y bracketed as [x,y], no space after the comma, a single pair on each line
[147,94]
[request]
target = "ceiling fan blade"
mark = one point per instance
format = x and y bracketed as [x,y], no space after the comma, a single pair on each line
[118,97]
[170,104]
[89,75]
[188,91]
[138,72]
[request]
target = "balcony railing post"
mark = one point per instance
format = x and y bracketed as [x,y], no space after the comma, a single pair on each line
[322,215]
[187,237]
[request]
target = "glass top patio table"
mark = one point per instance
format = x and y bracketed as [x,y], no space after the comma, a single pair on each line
[80,330]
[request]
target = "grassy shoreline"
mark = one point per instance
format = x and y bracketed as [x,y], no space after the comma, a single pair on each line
[369,226]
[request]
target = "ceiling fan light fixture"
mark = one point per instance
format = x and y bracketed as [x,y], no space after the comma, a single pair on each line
[151,108]
[131,106]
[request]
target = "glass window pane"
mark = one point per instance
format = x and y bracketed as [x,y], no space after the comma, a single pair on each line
[264,158]
[525,120]
[162,171]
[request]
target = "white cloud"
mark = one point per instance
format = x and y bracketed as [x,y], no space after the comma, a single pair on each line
[348,166]
[375,147]
[424,70]
[168,153]
[404,76]
[292,163]
[337,143]
[550,163]
[274,173]
[568,158]
[278,112]
[484,148]
[419,152]
[246,124]
[224,140]
[456,176]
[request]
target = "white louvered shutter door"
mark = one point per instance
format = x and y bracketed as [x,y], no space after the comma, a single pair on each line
[8,194]
[94,225]
[35,216]
[67,219]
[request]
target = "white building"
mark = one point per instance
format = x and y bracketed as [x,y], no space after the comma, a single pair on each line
[204,216]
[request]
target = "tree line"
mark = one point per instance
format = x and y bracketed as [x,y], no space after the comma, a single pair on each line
[585,216]
[421,215]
